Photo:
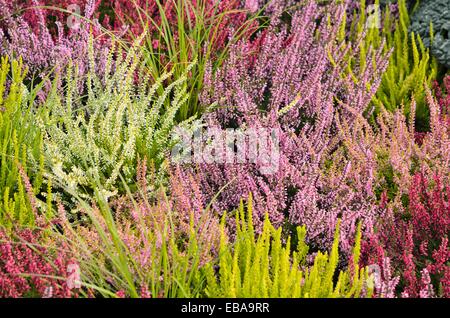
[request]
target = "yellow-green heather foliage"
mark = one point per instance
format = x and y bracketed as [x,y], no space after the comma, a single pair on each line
[264,266]
[20,144]
[410,64]
[98,138]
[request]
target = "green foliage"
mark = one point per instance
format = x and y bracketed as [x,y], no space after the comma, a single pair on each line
[98,138]
[262,266]
[20,143]
[410,65]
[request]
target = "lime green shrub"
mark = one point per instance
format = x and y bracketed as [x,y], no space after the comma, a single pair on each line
[262,266]
[20,144]
[98,138]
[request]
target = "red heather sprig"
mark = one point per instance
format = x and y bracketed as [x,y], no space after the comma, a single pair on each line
[135,16]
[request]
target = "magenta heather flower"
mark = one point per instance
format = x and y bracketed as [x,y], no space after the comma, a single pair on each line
[120,294]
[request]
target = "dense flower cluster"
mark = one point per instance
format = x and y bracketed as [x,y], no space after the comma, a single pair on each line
[415,239]
[284,80]
[29,268]
[49,33]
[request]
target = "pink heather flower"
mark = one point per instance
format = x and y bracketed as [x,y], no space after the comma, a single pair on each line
[427,289]
[443,99]
[48,292]
[155,44]
[252,5]
[389,283]
[73,276]
[46,46]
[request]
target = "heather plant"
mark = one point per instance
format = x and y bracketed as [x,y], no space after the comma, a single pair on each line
[411,235]
[178,32]
[443,98]
[292,81]
[141,254]
[389,155]
[188,30]
[400,155]
[262,266]
[21,145]
[415,239]
[134,246]
[410,64]
[97,138]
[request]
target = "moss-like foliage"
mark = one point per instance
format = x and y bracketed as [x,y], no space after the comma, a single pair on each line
[431,20]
